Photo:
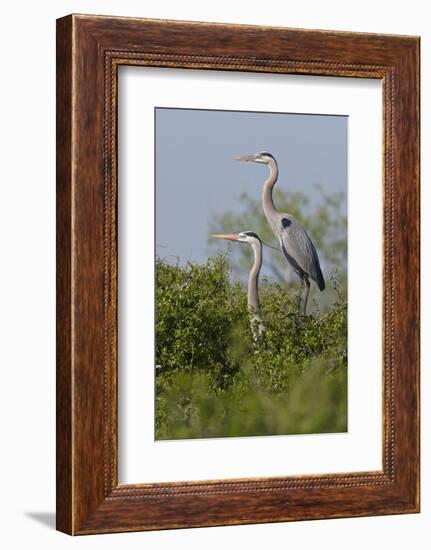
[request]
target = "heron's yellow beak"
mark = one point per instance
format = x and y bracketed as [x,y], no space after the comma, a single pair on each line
[231,237]
[246,158]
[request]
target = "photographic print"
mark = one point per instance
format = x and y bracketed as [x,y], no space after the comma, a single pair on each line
[206,279]
[250,273]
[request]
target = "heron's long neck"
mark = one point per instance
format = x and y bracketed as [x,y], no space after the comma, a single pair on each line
[268,203]
[253,278]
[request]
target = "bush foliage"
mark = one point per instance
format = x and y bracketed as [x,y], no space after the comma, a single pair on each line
[214,380]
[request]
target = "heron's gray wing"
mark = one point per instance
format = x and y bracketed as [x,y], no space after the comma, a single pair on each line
[299,251]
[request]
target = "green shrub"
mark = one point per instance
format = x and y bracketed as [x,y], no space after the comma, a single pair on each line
[214,380]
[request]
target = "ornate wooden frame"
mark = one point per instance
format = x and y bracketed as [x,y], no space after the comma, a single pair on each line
[89,51]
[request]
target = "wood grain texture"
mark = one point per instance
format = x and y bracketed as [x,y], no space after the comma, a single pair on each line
[64,497]
[90,49]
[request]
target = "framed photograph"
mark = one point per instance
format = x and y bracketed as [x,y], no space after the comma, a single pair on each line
[237,274]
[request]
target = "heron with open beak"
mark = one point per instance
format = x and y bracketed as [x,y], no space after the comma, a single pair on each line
[296,245]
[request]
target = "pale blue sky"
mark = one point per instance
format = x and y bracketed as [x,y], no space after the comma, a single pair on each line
[197,178]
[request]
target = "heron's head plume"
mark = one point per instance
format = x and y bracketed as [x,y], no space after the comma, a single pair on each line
[249,237]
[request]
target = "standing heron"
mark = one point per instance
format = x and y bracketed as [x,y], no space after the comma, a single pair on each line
[253,278]
[295,243]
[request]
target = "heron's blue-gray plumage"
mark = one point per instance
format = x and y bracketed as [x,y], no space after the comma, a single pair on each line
[295,243]
[299,250]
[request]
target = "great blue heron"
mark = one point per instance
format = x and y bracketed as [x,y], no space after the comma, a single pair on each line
[295,243]
[253,278]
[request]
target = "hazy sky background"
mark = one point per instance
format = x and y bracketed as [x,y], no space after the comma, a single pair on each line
[197,178]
